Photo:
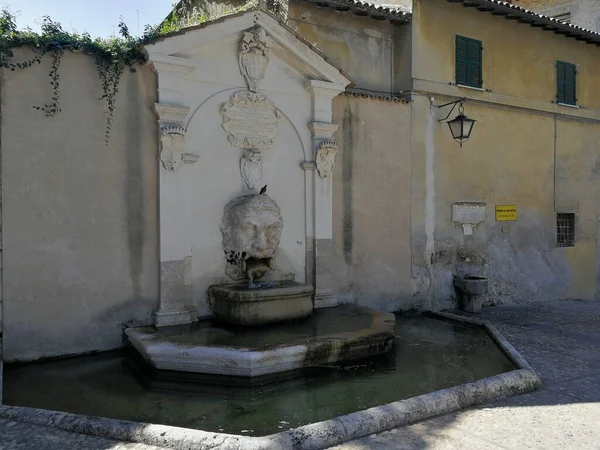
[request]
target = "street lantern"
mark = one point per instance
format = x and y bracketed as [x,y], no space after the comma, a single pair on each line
[461,126]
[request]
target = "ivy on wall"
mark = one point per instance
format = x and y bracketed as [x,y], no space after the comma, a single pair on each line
[111,55]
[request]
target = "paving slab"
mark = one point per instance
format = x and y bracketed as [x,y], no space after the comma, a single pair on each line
[23,436]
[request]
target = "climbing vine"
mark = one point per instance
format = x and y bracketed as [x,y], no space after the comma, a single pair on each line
[111,56]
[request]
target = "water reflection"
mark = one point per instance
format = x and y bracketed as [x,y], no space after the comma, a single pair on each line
[429,354]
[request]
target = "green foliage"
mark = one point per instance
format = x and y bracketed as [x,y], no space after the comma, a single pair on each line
[111,56]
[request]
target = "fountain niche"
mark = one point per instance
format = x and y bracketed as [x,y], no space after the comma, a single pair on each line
[265,291]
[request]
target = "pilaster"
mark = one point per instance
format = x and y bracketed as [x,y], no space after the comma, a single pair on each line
[320,245]
[175,219]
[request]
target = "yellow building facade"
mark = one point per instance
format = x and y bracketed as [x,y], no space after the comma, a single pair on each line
[526,151]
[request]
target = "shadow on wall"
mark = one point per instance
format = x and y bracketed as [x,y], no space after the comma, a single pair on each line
[134,195]
[521,268]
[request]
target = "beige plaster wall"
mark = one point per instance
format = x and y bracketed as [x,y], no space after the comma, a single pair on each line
[403,56]
[361,46]
[80,218]
[371,210]
[526,77]
[525,150]
[530,168]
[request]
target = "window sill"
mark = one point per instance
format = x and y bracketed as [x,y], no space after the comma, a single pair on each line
[568,105]
[470,87]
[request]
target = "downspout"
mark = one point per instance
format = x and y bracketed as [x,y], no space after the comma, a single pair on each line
[554,168]
[1,256]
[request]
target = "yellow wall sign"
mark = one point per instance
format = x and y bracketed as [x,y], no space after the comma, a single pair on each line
[506,213]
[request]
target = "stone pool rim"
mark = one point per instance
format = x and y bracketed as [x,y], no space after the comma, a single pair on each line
[319,435]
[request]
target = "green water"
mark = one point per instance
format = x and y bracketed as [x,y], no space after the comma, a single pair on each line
[429,354]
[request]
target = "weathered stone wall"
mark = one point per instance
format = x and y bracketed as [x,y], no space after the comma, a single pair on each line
[371,210]
[359,45]
[80,220]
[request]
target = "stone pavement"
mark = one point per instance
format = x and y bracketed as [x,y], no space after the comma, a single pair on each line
[560,339]
[22,436]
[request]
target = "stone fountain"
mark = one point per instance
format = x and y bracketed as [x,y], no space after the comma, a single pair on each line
[262,331]
[251,229]
[266,292]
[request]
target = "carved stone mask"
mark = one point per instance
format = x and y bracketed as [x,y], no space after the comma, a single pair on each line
[251,226]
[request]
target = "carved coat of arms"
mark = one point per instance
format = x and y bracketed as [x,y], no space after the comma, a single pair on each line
[326,158]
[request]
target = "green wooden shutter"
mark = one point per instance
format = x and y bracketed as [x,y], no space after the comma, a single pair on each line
[570,84]
[566,83]
[461,61]
[560,82]
[468,62]
[474,51]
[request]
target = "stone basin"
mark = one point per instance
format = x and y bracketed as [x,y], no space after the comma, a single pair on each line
[220,354]
[471,289]
[471,285]
[238,304]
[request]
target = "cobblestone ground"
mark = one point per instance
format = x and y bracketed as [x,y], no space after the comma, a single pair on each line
[560,339]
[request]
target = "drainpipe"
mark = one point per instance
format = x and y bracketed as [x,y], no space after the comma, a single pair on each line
[554,163]
[1,256]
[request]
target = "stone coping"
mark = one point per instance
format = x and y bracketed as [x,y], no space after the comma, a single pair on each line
[373,337]
[314,436]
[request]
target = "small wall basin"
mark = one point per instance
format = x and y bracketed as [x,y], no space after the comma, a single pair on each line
[471,290]
[471,285]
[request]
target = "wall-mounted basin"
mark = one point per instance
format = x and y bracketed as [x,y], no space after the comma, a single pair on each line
[471,290]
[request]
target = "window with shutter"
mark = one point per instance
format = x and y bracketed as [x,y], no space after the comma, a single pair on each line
[468,62]
[566,83]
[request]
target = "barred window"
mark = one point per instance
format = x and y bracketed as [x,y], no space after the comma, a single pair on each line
[565,230]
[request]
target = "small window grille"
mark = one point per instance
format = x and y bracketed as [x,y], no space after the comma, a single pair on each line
[565,230]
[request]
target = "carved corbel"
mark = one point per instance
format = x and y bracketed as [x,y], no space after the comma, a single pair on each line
[172,143]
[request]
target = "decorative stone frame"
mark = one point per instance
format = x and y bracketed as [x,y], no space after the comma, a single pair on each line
[323,83]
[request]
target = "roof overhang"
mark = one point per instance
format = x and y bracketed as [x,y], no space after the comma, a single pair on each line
[521,15]
[384,12]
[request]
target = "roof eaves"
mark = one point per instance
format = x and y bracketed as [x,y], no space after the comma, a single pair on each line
[522,15]
[393,14]
[399,97]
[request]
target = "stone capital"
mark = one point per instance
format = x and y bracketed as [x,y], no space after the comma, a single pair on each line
[322,130]
[308,165]
[171,115]
[324,89]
